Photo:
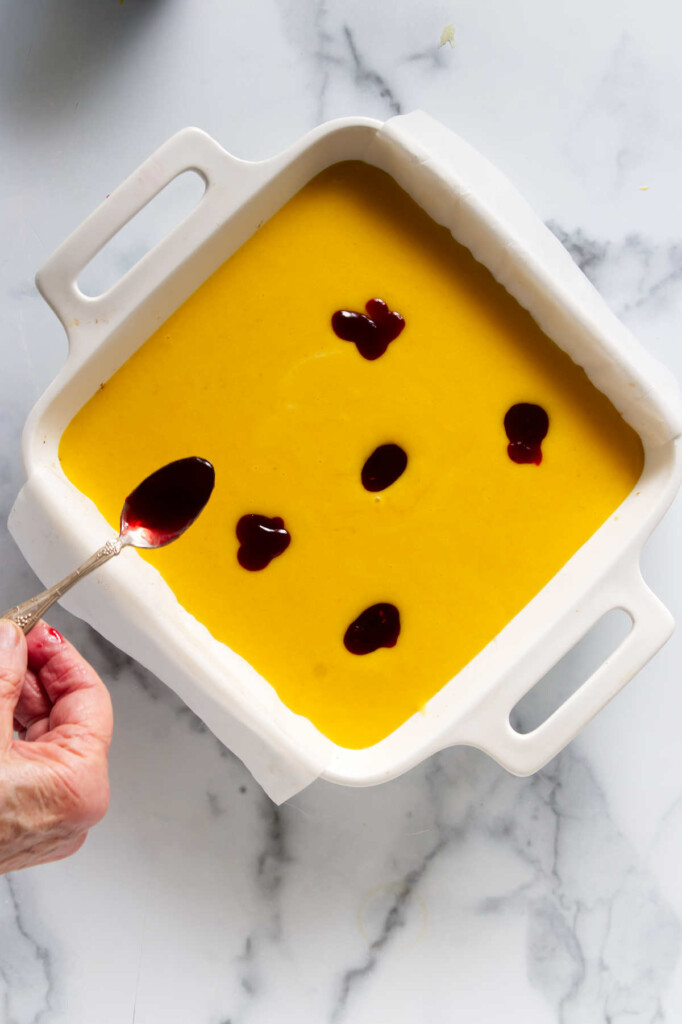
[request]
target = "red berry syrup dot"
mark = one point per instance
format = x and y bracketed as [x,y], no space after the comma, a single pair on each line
[383,467]
[261,540]
[378,626]
[526,426]
[371,332]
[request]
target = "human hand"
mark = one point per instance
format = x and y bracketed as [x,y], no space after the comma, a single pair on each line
[54,782]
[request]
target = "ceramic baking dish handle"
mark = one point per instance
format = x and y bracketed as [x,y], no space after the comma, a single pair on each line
[188,150]
[524,753]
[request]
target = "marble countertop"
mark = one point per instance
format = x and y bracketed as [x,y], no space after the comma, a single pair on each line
[456,893]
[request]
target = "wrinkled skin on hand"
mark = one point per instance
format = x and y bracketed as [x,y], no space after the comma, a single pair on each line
[54,782]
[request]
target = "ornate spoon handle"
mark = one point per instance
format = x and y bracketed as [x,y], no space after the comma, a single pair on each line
[27,614]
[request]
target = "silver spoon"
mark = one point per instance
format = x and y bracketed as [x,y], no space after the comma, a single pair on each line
[157,512]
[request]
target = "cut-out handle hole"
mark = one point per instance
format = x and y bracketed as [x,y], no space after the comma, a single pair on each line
[569,674]
[165,211]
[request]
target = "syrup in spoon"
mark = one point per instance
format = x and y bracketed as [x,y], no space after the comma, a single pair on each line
[157,512]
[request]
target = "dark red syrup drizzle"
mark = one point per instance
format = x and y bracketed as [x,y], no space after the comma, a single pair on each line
[371,333]
[378,626]
[168,501]
[383,467]
[261,540]
[526,426]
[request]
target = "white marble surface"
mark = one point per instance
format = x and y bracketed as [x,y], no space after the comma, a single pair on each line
[456,893]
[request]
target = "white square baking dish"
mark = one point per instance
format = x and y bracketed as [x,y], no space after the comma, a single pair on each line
[127,601]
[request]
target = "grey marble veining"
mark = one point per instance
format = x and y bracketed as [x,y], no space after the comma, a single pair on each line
[638,272]
[456,892]
[26,972]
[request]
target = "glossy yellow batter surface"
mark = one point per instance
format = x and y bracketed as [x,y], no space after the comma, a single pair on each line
[249,374]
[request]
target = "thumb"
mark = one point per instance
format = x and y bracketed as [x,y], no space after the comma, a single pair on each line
[12,673]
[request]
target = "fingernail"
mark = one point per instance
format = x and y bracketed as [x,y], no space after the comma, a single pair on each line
[9,634]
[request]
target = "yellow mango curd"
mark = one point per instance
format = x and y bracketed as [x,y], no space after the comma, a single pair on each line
[250,374]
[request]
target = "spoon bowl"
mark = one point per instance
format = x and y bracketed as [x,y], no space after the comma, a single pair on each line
[166,503]
[156,513]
